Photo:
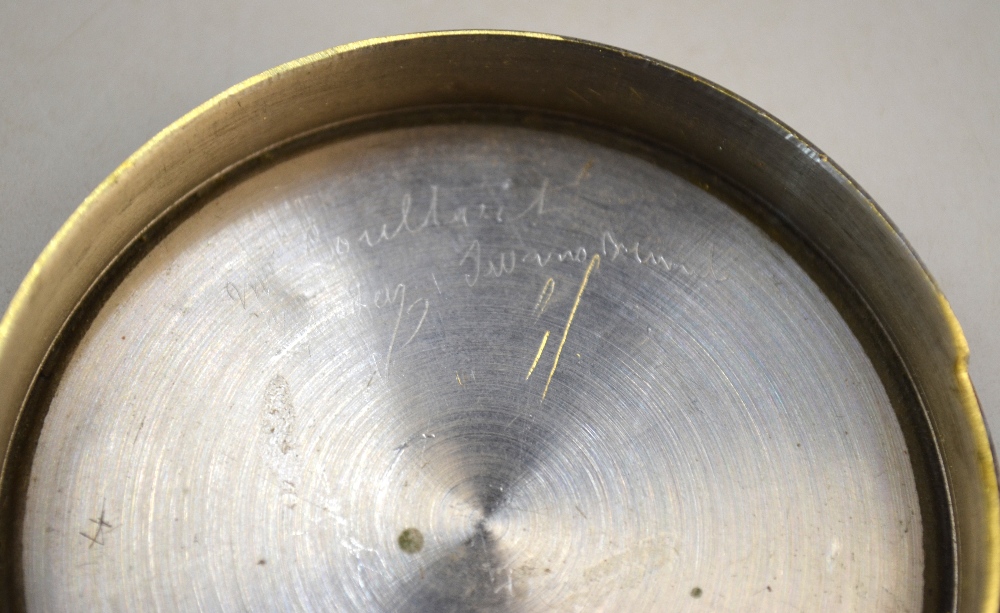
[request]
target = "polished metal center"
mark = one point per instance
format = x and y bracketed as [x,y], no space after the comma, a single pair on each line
[470,368]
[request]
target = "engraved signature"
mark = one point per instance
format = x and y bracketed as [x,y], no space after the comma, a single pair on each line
[478,263]
[395,297]
[410,223]
[496,267]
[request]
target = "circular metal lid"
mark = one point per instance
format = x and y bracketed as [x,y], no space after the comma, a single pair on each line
[485,322]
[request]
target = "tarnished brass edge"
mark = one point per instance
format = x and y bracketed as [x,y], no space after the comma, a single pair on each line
[984,457]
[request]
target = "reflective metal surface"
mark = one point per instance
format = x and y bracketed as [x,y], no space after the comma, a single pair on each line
[470,368]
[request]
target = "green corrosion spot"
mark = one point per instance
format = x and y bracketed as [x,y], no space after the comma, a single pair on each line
[411,540]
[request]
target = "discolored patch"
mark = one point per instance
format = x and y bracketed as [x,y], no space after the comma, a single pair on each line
[411,540]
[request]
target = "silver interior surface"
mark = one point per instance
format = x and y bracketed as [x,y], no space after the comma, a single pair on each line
[588,383]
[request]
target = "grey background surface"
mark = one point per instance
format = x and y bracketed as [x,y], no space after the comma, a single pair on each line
[903,95]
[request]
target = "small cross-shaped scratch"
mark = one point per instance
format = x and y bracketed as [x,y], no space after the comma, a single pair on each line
[98,536]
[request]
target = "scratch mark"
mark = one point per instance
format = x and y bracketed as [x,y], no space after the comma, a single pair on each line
[433,278]
[474,252]
[427,305]
[141,424]
[401,290]
[101,523]
[585,101]
[595,263]
[538,355]
[235,293]
[538,204]
[457,376]
[543,298]
[509,585]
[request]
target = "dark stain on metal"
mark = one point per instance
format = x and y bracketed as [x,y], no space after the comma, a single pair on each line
[411,540]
